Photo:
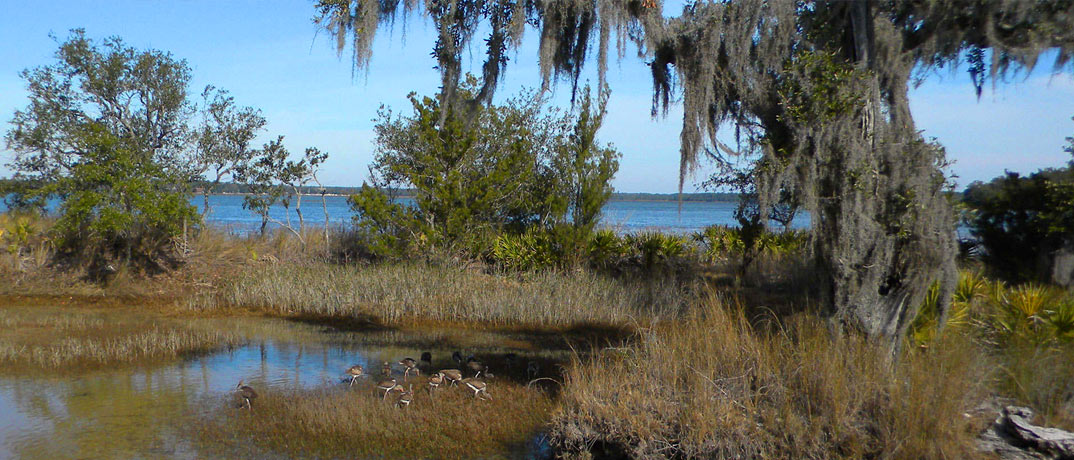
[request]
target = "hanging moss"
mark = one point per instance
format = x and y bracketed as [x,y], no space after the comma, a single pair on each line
[815,91]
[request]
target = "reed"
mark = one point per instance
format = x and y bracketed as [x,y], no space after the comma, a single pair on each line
[712,386]
[398,292]
[63,340]
[338,421]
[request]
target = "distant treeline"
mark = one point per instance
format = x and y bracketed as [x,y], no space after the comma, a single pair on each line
[233,188]
[238,189]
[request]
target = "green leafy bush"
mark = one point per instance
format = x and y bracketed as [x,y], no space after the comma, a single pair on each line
[1021,221]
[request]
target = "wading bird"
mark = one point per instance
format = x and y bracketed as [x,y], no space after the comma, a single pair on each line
[406,397]
[388,386]
[477,366]
[457,357]
[354,371]
[478,387]
[435,380]
[451,375]
[427,358]
[410,365]
[246,393]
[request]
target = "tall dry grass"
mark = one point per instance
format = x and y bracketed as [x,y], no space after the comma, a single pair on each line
[39,338]
[712,386]
[340,422]
[396,292]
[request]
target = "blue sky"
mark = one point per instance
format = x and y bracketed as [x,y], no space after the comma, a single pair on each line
[269,55]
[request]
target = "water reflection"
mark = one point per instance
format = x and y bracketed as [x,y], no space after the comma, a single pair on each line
[138,412]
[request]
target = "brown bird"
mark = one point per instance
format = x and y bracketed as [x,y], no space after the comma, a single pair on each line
[406,397]
[246,393]
[477,386]
[386,369]
[477,366]
[435,380]
[388,386]
[354,371]
[451,375]
[410,365]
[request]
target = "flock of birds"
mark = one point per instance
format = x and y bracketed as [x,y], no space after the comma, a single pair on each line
[446,377]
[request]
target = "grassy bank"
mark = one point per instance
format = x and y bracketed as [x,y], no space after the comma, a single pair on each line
[397,293]
[342,422]
[713,386]
[50,336]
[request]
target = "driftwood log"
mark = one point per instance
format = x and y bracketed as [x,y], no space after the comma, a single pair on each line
[1012,436]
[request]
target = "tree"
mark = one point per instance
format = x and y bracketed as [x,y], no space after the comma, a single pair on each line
[584,167]
[222,140]
[105,131]
[817,91]
[496,168]
[1021,221]
[275,179]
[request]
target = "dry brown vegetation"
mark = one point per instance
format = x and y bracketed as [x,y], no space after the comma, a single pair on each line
[396,293]
[342,422]
[713,386]
[50,337]
[699,378]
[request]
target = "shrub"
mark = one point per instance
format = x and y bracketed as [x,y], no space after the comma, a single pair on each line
[1021,221]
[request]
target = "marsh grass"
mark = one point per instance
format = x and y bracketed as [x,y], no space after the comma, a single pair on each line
[68,339]
[391,294]
[715,387]
[335,421]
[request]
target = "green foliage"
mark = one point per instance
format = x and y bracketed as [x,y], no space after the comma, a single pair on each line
[1020,220]
[656,248]
[483,171]
[222,140]
[1028,314]
[117,206]
[823,88]
[274,179]
[105,131]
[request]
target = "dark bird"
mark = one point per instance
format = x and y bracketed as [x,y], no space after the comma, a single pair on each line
[457,357]
[410,365]
[246,393]
[510,359]
[532,369]
[427,358]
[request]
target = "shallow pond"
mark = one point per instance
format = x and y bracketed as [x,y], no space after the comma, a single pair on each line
[139,412]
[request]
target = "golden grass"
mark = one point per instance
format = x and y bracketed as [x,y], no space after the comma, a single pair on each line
[340,422]
[714,387]
[396,293]
[64,339]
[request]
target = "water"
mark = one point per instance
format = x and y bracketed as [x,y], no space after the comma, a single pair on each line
[136,412]
[623,216]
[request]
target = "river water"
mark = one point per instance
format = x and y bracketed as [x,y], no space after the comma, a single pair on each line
[623,216]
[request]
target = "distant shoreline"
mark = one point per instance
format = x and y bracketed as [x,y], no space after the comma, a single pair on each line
[622,197]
